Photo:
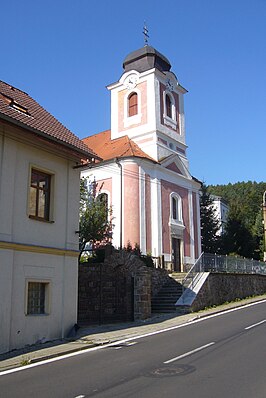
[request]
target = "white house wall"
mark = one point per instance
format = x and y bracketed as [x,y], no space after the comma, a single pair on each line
[35,250]
[18,329]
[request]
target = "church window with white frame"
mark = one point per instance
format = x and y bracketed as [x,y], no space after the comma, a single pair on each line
[176,208]
[132,104]
[169,112]
[132,108]
[103,198]
[168,106]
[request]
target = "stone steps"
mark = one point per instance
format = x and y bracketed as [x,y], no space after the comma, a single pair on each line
[178,276]
[164,301]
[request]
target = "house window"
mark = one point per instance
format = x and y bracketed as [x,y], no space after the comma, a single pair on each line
[168,105]
[40,189]
[37,298]
[133,104]
[176,208]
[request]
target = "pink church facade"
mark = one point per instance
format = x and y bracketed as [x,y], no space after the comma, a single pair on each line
[145,171]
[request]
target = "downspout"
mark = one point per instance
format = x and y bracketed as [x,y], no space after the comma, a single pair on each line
[121,200]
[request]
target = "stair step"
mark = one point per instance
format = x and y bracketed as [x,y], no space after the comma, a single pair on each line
[164,301]
[172,295]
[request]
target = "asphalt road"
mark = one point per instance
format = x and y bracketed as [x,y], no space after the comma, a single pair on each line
[214,357]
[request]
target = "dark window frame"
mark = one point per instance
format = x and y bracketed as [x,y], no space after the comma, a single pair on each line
[174,208]
[132,104]
[168,106]
[40,191]
[37,297]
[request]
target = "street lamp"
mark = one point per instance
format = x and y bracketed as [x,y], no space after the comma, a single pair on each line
[264,223]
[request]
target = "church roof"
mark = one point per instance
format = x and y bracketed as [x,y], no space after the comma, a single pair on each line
[109,149]
[19,108]
[146,58]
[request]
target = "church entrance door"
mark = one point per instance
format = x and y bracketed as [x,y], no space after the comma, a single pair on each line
[176,255]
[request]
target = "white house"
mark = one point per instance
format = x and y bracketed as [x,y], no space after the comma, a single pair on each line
[145,170]
[39,204]
[221,210]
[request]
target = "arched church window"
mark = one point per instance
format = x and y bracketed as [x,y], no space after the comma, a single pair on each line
[168,104]
[103,198]
[132,104]
[176,208]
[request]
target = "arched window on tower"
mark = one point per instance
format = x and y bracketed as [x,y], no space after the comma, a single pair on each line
[133,104]
[168,105]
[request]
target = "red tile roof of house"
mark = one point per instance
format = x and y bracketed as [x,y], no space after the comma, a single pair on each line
[19,108]
[120,147]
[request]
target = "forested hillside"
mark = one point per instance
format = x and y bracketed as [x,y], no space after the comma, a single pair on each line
[244,234]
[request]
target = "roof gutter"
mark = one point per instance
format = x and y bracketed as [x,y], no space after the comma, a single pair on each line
[113,160]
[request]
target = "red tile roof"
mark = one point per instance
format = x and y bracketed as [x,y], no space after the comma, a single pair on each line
[17,106]
[120,147]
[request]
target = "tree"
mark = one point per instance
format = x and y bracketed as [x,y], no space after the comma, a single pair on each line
[244,228]
[237,239]
[258,234]
[95,220]
[210,225]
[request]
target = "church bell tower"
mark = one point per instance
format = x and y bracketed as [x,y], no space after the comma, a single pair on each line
[147,105]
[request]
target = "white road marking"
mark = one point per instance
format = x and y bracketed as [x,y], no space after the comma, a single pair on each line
[73,354]
[124,345]
[80,396]
[190,353]
[255,324]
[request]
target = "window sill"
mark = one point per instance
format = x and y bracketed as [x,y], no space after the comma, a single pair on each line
[35,315]
[129,121]
[169,122]
[176,223]
[41,219]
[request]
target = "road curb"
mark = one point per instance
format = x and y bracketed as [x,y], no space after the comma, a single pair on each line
[15,362]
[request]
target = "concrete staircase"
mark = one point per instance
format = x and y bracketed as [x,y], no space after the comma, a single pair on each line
[164,301]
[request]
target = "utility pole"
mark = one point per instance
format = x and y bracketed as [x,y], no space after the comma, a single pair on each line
[264,223]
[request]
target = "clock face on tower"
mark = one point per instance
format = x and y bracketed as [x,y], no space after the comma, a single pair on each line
[131,81]
[169,85]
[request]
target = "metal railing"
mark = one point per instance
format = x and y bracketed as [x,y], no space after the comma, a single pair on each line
[232,264]
[191,277]
[222,263]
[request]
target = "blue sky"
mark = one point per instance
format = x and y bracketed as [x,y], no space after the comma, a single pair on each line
[65,52]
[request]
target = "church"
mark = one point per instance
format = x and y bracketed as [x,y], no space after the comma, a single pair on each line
[144,174]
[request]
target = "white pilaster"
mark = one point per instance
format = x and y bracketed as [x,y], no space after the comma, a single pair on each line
[191,226]
[142,207]
[156,217]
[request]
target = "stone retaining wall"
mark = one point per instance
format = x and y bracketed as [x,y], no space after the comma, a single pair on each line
[104,295]
[221,288]
[147,281]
